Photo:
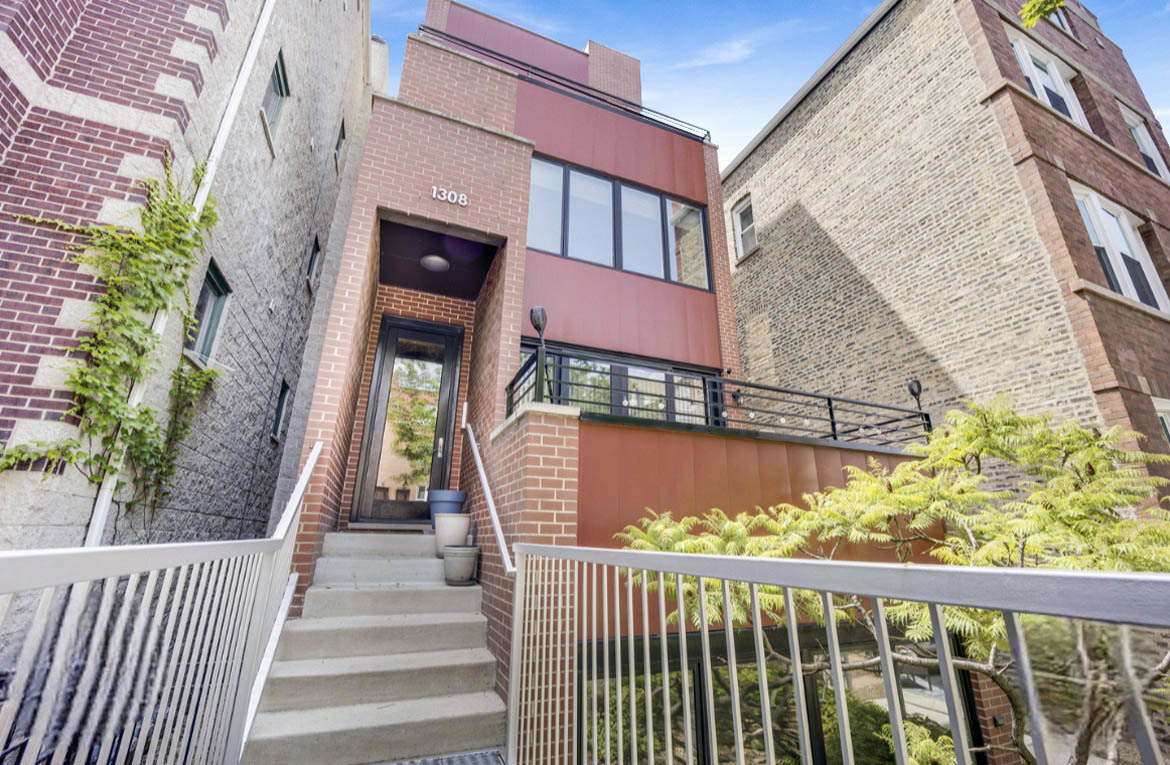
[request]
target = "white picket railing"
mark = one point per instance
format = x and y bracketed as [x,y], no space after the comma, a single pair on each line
[149,653]
[601,672]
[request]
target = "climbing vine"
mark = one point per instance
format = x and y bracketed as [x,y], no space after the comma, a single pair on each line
[142,271]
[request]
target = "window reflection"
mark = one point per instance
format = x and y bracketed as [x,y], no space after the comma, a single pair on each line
[590,218]
[688,248]
[544,207]
[641,232]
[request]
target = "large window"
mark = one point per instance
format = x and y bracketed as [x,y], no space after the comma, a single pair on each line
[1113,231]
[1049,79]
[1145,142]
[201,334]
[601,220]
[276,94]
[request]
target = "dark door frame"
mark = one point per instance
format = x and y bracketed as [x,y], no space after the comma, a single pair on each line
[391,328]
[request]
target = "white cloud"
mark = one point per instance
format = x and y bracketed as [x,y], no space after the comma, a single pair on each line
[740,48]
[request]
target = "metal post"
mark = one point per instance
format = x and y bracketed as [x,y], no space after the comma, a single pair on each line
[1019,649]
[538,389]
[514,661]
[832,418]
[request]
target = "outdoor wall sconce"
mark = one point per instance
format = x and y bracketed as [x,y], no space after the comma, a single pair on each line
[539,318]
[915,389]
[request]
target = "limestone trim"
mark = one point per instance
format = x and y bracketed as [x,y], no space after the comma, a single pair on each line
[532,407]
[1092,288]
[1005,85]
[80,106]
[452,118]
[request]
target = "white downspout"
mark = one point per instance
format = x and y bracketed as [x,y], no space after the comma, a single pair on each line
[105,496]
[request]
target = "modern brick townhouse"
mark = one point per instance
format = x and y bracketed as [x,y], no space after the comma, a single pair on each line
[958,199]
[93,95]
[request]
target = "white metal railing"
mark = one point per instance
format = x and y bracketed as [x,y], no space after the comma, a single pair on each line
[146,653]
[577,694]
[501,543]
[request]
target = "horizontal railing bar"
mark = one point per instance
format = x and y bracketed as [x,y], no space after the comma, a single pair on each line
[35,569]
[730,381]
[1120,598]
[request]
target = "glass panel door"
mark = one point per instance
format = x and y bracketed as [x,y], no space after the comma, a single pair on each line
[406,449]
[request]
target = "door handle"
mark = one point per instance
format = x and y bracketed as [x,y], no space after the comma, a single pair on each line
[439,446]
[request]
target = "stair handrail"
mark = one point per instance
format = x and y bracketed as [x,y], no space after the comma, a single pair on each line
[509,567]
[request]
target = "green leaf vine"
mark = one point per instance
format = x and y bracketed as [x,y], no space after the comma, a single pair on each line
[142,272]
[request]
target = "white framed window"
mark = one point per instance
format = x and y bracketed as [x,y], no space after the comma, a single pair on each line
[1049,79]
[1145,142]
[1113,230]
[278,415]
[1058,18]
[1162,407]
[276,94]
[745,228]
[314,260]
[209,307]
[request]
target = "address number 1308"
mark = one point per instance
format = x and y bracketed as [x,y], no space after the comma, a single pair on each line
[446,195]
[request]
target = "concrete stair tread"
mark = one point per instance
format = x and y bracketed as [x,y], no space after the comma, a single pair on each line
[339,665]
[361,621]
[376,586]
[385,545]
[325,720]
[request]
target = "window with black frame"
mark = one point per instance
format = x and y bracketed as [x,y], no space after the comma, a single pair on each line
[594,218]
[603,384]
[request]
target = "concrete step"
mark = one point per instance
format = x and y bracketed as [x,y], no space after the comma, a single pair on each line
[373,635]
[351,570]
[312,683]
[377,732]
[379,545]
[321,601]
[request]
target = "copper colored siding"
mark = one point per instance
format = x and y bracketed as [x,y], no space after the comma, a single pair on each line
[610,142]
[604,308]
[500,36]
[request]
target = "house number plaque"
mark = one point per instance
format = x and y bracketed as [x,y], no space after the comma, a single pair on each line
[447,195]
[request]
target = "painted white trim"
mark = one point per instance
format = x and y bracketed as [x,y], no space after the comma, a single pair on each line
[1097,207]
[1140,131]
[1061,74]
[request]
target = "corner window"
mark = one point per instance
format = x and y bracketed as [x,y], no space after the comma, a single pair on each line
[1049,80]
[1145,142]
[338,146]
[1162,407]
[598,219]
[208,311]
[745,228]
[278,417]
[276,94]
[314,259]
[1113,231]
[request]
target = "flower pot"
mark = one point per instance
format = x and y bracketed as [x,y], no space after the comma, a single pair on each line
[450,529]
[459,564]
[445,501]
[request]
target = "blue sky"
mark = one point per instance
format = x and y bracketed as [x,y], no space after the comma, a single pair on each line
[732,70]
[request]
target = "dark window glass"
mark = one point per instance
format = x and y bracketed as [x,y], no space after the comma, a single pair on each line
[208,309]
[277,92]
[1058,103]
[1099,248]
[688,246]
[1150,163]
[1140,283]
[278,418]
[641,232]
[314,256]
[590,218]
[544,206]
[1165,420]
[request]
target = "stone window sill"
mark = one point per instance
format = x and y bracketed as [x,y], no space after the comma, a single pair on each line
[1080,285]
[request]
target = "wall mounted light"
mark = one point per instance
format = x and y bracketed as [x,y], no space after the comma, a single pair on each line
[434,262]
[539,318]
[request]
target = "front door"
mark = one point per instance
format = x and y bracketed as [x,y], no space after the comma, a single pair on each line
[406,450]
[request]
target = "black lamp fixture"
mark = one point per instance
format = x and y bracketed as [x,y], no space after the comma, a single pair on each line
[539,318]
[915,389]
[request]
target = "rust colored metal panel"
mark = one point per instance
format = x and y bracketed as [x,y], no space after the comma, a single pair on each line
[498,35]
[611,142]
[625,469]
[599,307]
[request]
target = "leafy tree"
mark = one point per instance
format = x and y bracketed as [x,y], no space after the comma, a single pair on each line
[1034,10]
[992,487]
[412,412]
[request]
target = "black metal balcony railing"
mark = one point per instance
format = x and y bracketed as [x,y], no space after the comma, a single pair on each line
[601,385]
[543,76]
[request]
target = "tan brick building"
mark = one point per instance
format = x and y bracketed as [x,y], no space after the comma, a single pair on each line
[958,199]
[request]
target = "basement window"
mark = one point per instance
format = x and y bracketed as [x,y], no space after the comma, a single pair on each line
[204,328]
[1049,79]
[276,94]
[745,228]
[278,417]
[1140,131]
[1113,231]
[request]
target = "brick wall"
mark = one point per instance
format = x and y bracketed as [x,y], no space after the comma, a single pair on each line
[896,239]
[104,90]
[614,72]
[456,84]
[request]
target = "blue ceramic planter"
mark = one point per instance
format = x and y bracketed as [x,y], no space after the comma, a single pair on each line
[445,501]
